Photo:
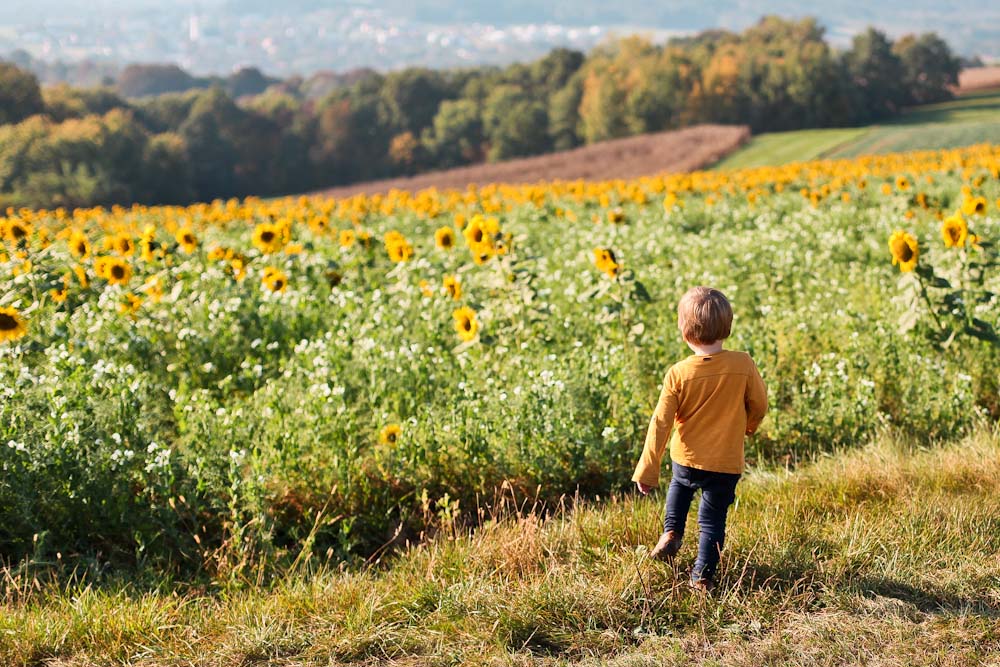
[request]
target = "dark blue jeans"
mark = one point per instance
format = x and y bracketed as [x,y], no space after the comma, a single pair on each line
[718,491]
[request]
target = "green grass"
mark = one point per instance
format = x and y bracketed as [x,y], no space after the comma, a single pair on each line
[897,138]
[970,119]
[782,147]
[973,107]
[883,555]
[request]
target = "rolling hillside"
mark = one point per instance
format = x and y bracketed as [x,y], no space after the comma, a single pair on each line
[972,118]
[675,151]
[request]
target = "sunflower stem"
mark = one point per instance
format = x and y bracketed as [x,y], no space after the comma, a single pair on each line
[930,306]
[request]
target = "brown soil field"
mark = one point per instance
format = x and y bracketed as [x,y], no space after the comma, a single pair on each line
[978,78]
[643,155]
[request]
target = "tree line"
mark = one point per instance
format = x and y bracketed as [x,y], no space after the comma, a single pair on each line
[66,146]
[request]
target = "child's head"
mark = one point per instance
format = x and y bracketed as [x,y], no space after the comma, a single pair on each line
[704,316]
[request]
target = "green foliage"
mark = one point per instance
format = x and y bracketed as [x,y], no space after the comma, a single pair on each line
[514,123]
[946,306]
[877,75]
[147,80]
[20,96]
[266,409]
[930,69]
[457,134]
[300,135]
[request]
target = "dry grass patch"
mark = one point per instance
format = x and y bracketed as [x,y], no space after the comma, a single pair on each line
[886,555]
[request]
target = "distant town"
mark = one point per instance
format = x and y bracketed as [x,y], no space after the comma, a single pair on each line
[88,42]
[337,38]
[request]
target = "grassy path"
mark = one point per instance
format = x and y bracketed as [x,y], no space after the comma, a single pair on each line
[885,555]
[774,148]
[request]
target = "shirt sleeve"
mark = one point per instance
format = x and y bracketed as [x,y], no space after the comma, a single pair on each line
[756,399]
[647,470]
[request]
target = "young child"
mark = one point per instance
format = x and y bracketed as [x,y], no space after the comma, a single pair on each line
[715,397]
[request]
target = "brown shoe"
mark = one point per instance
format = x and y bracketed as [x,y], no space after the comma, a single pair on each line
[667,547]
[703,585]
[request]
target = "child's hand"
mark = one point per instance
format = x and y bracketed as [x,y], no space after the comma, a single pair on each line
[643,489]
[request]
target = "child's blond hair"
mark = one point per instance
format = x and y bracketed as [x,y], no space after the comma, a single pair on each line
[704,315]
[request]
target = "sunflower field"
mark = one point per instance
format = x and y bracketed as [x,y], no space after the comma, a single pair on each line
[228,386]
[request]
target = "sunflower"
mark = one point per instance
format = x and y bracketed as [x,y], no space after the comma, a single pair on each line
[474,232]
[319,224]
[605,260]
[113,269]
[79,246]
[186,239]
[153,289]
[123,245]
[452,287]
[267,238]
[903,247]
[275,279]
[616,215]
[481,230]
[81,275]
[239,266]
[973,205]
[12,325]
[398,248]
[444,237]
[465,323]
[129,304]
[954,231]
[390,434]
[17,231]
[347,238]
[902,183]
[148,249]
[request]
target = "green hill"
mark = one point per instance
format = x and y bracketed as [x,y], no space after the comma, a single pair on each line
[970,119]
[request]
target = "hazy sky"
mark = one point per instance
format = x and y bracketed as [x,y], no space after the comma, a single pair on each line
[267,33]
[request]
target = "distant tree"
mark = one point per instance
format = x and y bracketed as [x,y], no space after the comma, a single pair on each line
[349,140]
[63,102]
[929,68]
[281,107]
[166,113]
[406,152]
[247,81]
[631,86]
[167,176]
[456,135]
[81,162]
[411,98]
[213,156]
[144,80]
[876,76]
[602,105]
[20,95]
[554,71]
[514,123]
[564,115]
[787,77]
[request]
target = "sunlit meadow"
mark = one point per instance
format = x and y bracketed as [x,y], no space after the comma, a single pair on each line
[232,386]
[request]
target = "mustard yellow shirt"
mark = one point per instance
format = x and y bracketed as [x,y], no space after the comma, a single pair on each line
[715,400]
